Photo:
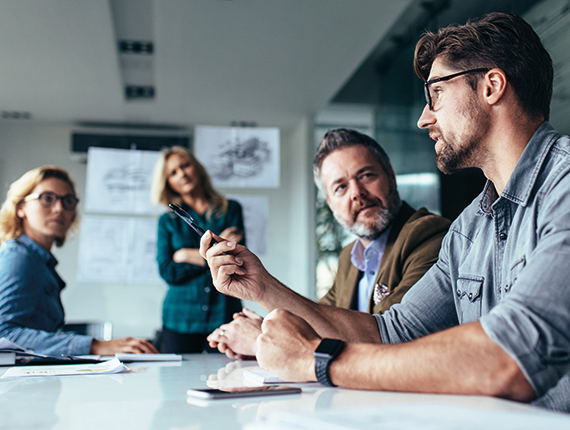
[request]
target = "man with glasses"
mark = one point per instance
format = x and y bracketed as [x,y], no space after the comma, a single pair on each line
[492,315]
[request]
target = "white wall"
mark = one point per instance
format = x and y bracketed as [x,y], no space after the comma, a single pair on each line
[135,310]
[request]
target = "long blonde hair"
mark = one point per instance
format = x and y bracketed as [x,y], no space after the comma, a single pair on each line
[162,193]
[11,226]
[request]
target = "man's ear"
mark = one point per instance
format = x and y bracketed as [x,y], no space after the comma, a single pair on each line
[495,85]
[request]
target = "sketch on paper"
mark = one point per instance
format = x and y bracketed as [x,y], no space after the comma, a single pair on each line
[255,216]
[119,181]
[241,159]
[126,179]
[239,156]
[117,250]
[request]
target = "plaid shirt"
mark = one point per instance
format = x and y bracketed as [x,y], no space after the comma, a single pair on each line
[192,304]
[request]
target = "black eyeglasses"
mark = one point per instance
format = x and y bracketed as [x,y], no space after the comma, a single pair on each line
[47,199]
[432,99]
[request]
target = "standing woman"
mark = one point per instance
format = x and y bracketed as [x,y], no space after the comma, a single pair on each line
[193,308]
[40,208]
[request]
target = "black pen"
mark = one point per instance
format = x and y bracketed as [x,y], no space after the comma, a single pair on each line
[189,220]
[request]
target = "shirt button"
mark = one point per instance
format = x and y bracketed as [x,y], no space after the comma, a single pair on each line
[470,296]
[458,293]
[372,272]
[204,308]
[503,236]
[207,289]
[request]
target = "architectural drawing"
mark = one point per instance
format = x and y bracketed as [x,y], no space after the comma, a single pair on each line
[240,157]
[118,250]
[119,181]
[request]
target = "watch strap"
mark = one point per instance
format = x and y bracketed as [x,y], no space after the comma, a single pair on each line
[322,364]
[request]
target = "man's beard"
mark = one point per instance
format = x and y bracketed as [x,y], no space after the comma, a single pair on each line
[383,219]
[463,152]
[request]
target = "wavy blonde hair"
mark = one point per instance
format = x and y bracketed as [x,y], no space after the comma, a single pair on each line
[162,193]
[11,226]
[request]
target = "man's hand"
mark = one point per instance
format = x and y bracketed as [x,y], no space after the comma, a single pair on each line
[238,338]
[235,270]
[125,344]
[286,345]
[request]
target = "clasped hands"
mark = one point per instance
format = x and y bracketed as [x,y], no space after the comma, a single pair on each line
[285,343]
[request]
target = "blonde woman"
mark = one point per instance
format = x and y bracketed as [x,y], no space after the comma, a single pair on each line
[192,308]
[40,208]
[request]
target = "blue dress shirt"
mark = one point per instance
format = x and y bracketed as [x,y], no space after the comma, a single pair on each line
[31,312]
[368,260]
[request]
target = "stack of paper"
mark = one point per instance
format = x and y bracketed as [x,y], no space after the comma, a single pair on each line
[104,368]
[7,358]
[11,353]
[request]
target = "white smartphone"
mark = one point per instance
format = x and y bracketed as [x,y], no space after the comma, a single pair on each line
[230,393]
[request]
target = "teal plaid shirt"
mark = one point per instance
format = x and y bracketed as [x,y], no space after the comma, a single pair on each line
[192,304]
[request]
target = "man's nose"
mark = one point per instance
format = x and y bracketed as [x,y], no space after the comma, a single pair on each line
[427,118]
[357,191]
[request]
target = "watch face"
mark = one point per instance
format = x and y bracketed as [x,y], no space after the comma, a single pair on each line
[329,347]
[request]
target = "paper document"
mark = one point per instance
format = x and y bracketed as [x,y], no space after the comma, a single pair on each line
[8,345]
[123,356]
[7,358]
[22,356]
[105,368]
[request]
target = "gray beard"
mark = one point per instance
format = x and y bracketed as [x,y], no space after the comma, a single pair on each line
[383,220]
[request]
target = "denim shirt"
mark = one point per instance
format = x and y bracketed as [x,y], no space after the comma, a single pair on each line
[31,312]
[506,263]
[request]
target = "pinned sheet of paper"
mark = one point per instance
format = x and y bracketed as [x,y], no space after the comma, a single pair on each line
[105,368]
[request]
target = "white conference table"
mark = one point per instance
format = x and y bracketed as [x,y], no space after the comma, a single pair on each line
[153,396]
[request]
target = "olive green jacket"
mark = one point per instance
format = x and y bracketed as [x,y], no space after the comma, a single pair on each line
[412,248]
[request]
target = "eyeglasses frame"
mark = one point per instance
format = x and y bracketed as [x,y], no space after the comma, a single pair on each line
[447,78]
[37,196]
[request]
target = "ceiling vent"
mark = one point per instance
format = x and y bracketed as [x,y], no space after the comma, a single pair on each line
[132,22]
[14,114]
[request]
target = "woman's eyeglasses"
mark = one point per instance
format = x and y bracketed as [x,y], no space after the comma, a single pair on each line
[47,199]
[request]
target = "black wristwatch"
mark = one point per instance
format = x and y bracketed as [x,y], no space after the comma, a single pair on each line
[326,352]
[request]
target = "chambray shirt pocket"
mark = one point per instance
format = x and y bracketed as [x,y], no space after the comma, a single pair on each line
[468,297]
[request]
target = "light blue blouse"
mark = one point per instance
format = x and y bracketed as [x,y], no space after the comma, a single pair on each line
[31,312]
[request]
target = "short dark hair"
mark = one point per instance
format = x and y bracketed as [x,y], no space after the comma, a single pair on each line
[343,138]
[498,39]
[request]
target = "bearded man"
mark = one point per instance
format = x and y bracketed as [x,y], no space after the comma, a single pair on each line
[396,244]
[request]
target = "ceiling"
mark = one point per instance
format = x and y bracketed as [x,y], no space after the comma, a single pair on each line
[269,62]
